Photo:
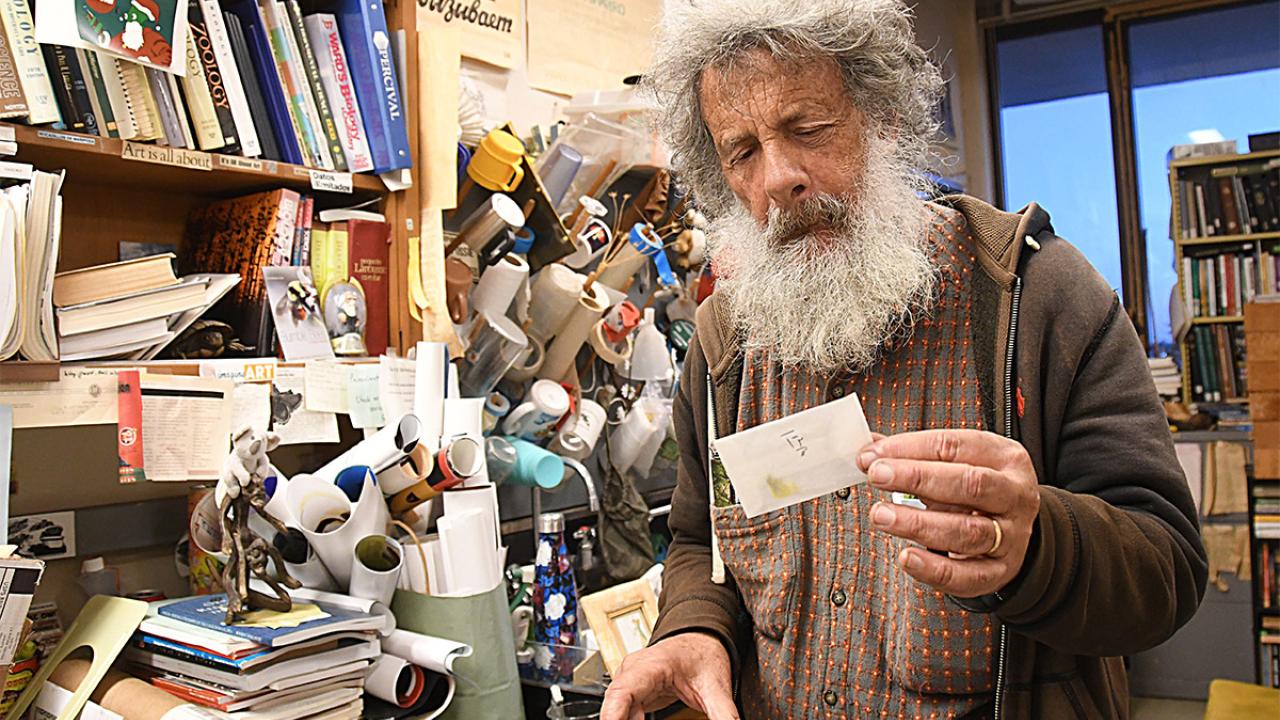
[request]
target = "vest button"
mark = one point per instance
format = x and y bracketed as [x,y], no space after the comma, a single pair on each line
[830,698]
[838,598]
[843,493]
[838,391]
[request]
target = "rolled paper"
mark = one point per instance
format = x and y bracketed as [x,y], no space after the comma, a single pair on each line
[380,450]
[564,349]
[275,507]
[471,562]
[641,244]
[120,695]
[355,604]
[301,561]
[332,524]
[498,344]
[495,215]
[375,568]
[411,497]
[496,407]
[351,481]
[431,380]
[412,468]
[432,653]
[465,417]
[394,680]
[605,348]
[555,292]
[498,285]
[586,429]
[460,459]
[534,466]
[528,364]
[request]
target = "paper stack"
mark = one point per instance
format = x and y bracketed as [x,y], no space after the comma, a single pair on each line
[1165,374]
[308,663]
[30,232]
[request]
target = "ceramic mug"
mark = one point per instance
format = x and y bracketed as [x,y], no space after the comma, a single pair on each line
[536,418]
[457,284]
[497,163]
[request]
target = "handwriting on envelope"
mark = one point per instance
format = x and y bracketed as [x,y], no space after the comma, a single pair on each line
[796,458]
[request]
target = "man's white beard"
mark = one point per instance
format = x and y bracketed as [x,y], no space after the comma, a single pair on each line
[830,301]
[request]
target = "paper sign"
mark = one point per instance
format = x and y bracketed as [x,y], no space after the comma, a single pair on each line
[796,458]
[239,163]
[47,536]
[325,385]
[289,417]
[612,40]
[177,157]
[186,426]
[491,30]
[129,427]
[396,378]
[84,396]
[362,396]
[251,399]
[339,182]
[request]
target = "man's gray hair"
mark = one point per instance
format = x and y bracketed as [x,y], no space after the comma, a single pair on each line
[886,74]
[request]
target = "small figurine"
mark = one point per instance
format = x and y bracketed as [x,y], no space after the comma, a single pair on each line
[241,490]
[345,315]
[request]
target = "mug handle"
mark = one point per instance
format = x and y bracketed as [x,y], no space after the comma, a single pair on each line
[517,175]
[512,422]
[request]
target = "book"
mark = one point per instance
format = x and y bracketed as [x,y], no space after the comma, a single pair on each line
[369,257]
[142,334]
[302,47]
[131,308]
[201,47]
[70,90]
[253,28]
[208,612]
[13,101]
[345,657]
[373,67]
[306,120]
[106,112]
[302,240]
[31,232]
[231,700]
[335,77]
[295,308]
[178,98]
[142,101]
[206,124]
[161,94]
[20,34]
[103,282]
[252,88]
[117,98]
[261,657]
[229,77]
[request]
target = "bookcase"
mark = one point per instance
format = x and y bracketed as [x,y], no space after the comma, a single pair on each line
[1226,234]
[1262,328]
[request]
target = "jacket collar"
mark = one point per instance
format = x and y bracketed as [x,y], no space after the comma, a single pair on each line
[1000,242]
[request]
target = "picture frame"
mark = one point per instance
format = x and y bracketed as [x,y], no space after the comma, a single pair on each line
[622,618]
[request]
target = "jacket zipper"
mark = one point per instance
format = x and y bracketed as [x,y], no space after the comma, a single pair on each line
[1008,432]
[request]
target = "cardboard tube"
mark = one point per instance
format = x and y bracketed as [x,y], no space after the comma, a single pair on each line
[301,561]
[375,568]
[394,680]
[560,355]
[498,285]
[431,379]
[412,468]
[555,292]
[622,267]
[411,497]
[126,696]
[379,451]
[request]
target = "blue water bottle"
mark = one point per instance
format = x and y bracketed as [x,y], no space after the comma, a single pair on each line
[555,595]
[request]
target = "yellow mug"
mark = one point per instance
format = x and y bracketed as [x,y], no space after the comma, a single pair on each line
[496,164]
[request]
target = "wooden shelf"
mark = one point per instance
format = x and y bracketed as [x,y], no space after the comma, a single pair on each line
[15,371]
[100,160]
[1217,320]
[1223,159]
[1224,239]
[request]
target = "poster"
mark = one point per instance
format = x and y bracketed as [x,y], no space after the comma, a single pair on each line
[492,30]
[145,31]
[47,536]
[611,40]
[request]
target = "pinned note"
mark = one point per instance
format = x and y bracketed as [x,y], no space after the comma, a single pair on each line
[396,385]
[289,417]
[326,386]
[363,399]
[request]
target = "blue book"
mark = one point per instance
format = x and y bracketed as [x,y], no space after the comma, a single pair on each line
[365,37]
[208,611]
[255,36]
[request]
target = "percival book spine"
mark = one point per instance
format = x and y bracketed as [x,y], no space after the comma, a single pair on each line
[13,102]
[335,75]
[102,100]
[328,125]
[204,116]
[368,45]
[20,31]
[370,257]
[264,65]
[253,89]
[289,69]
[73,96]
[215,85]
[229,78]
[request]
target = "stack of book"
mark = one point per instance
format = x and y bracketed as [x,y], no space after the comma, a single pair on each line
[262,80]
[1216,358]
[312,663]
[129,308]
[30,234]
[1165,374]
[1230,200]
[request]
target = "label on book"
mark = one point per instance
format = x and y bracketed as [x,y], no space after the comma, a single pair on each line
[339,182]
[15,171]
[177,157]
[7,134]
[68,137]
[239,163]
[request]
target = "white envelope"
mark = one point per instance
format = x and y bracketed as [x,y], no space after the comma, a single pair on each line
[796,458]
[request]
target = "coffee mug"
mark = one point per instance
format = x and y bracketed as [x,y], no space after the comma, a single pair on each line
[535,419]
[579,439]
[457,284]
[497,163]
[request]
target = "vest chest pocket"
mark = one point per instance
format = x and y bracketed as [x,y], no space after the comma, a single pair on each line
[762,556]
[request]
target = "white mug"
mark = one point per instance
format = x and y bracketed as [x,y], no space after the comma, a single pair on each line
[535,419]
[579,439]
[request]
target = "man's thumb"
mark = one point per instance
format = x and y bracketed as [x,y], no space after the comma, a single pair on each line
[717,701]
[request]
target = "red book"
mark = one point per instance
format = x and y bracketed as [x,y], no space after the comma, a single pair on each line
[369,260]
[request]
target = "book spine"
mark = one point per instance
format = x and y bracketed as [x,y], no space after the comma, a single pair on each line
[331,60]
[1205,229]
[1227,201]
[293,86]
[13,102]
[302,248]
[211,74]
[116,96]
[297,69]
[1188,298]
[74,116]
[20,31]
[229,74]
[328,125]
[1185,225]
[253,89]
[142,100]
[106,112]
[369,261]
[161,93]
[368,45]
[204,116]
[77,56]
[277,104]
[1242,205]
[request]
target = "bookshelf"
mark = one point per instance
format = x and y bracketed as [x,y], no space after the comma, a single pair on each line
[1262,326]
[1204,189]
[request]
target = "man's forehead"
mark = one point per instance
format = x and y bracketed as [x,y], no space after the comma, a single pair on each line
[753,95]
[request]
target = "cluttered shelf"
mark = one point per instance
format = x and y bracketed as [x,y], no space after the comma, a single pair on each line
[1221,159]
[1223,239]
[110,160]
[1216,320]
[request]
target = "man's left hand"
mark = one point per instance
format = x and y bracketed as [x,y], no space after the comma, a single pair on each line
[970,481]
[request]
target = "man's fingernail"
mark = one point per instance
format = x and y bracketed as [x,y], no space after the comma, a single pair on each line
[911,561]
[881,473]
[882,515]
[866,458]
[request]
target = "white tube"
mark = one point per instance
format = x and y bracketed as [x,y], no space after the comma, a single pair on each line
[430,652]
[471,564]
[555,293]
[430,382]
[379,451]
[564,349]
[332,525]
[498,285]
[375,568]
[394,680]
[465,417]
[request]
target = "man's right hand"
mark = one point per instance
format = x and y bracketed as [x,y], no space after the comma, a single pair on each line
[691,667]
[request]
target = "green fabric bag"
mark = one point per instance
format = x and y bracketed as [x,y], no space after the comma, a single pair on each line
[488,680]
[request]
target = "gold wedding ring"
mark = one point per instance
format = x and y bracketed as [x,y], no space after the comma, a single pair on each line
[999,537]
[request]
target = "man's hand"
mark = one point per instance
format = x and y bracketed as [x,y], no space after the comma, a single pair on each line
[691,667]
[969,480]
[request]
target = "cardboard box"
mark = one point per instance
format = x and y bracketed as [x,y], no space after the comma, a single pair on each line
[1264,406]
[1263,345]
[1264,375]
[1266,463]
[1262,317]
[1266,435]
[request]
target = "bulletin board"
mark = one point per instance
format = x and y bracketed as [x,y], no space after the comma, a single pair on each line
[610,40]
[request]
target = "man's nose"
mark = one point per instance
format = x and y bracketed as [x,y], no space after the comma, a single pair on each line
[786,180]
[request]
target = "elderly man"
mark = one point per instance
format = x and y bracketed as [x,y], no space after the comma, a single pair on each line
[1008,389]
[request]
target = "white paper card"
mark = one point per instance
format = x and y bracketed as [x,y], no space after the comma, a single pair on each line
[395,385]
[796,458]
[362,397]
[326,386]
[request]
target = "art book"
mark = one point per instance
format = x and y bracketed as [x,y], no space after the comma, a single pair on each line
[151,32]
[295,306]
